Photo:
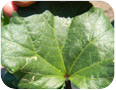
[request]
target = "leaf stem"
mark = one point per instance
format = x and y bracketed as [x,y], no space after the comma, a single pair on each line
[68,84]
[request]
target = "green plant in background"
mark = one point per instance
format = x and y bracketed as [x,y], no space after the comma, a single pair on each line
[4,19]
[49,46]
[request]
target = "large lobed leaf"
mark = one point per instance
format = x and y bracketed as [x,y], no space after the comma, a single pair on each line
[42,48]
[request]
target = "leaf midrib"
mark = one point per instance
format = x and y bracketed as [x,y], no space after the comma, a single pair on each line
[38,54]
[33,48]
[53,28]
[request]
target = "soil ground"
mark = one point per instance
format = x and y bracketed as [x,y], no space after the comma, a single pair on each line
[106,7]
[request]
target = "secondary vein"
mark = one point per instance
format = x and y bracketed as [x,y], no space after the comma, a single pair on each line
[85,48]
[91,65]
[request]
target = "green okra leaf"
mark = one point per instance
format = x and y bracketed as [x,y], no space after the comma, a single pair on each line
[41,49]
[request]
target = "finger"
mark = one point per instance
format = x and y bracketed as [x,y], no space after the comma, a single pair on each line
[9,8]
[24,3]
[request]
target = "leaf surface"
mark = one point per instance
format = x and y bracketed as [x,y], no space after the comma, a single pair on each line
[42,48]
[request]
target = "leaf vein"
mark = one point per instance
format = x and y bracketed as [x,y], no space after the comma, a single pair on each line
[53,28]
[37,53]
[91,65]
[92,78]
[85,49]
[34,53]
